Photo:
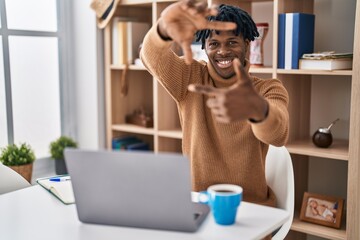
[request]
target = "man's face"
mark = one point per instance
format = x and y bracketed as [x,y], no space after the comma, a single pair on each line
[222,49]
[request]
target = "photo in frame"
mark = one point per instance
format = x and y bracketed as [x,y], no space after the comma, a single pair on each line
[321,209]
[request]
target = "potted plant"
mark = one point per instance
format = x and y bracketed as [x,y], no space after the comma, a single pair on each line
[57,152]
[19,158]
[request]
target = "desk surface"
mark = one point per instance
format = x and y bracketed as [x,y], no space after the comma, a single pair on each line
[34,213]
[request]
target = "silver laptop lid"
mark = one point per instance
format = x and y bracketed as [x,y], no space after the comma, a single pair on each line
[136,189]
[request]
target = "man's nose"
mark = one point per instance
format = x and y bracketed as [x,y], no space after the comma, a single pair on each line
[223,50]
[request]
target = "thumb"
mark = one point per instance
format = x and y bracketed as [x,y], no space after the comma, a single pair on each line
[241,70]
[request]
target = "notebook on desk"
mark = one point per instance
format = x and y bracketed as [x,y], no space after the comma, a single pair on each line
[134,189]
[61,189]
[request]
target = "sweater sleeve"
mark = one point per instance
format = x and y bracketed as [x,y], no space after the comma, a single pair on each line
[274,129]
[168,68]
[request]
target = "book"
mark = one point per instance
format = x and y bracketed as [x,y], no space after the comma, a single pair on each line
[119,41]
[61,187]
[326,55]
[281,41]
[296,37]
[326,64]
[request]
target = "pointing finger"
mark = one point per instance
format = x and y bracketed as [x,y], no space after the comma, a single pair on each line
[204,89]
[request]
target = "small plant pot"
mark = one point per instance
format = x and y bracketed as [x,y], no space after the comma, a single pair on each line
[24,170]
[60,167]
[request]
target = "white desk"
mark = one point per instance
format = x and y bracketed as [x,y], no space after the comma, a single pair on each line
[33,213]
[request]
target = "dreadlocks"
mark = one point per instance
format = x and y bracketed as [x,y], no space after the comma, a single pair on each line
[245,25]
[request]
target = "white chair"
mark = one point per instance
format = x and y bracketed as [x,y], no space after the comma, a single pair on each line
[280,178]
[11,180]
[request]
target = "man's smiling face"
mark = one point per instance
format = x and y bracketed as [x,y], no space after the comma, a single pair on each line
[222,49]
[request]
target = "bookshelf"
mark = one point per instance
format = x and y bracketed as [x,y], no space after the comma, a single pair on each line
[165,135]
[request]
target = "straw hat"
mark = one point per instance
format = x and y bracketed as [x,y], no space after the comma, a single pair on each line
[104,10]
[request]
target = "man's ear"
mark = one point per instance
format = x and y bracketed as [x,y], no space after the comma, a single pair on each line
[247,48]
[247,45]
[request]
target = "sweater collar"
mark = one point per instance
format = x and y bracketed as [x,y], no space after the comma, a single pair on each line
[218,81]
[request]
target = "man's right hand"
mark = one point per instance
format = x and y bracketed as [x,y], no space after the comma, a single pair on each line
[180,21]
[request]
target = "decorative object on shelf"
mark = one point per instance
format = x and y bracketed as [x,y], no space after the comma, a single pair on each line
[104,10]
[257,46]
[323,136]
[57,152]
[140,118]
[326,61]
[321,209]
[19,158]
[296,37]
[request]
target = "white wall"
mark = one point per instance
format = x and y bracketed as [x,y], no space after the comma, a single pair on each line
[89,91]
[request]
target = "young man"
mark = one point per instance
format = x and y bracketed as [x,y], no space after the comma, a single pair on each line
[228,117]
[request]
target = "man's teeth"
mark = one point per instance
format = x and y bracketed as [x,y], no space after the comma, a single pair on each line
[225,62]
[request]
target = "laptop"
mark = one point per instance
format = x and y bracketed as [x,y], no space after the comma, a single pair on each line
[134,189]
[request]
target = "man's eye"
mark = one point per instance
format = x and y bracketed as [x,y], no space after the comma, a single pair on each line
[213,44]
[232,43]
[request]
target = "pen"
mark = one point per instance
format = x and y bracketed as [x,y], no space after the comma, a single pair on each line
[59,179]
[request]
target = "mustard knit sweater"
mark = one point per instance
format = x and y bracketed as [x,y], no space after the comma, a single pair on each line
[219,153]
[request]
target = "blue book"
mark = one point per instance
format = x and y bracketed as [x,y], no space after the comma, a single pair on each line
[138,146]
[121,142]
[299,37]
[281,41]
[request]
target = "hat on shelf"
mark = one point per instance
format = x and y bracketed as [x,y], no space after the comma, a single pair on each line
[104,10]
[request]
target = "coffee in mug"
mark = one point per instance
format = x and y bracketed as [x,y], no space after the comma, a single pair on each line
[223,199]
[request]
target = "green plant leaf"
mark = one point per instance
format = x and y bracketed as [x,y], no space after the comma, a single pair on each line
[57,147]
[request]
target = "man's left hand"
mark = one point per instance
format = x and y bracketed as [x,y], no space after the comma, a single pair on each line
[238,102]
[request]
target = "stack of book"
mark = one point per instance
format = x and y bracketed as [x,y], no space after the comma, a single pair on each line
[326,61]
[127,36]
[129,143]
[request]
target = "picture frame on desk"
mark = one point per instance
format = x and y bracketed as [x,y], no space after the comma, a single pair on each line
[322,209]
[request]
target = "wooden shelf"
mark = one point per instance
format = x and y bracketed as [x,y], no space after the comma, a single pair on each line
[133,129]
[136,2]
[166,134]
[315,72]
[176,133]
[318,230]
[338,150]
[261,70]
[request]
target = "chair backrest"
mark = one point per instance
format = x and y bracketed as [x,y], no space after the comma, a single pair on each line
[280,178]
[11,180]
